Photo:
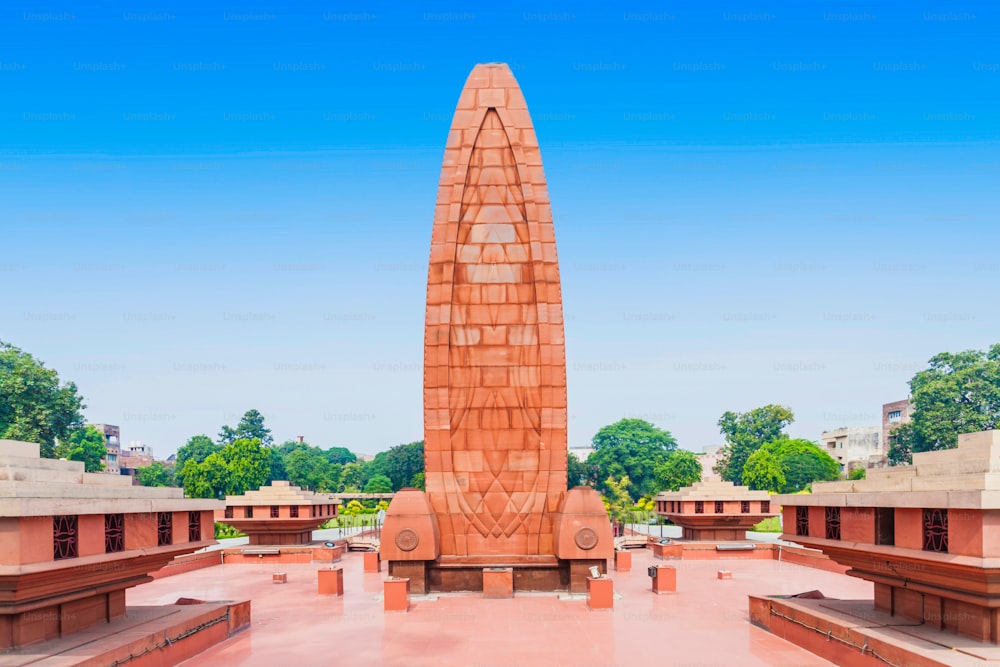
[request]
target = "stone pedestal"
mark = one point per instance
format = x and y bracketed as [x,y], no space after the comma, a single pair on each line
[672,551]
[623,561]
[396,594]
[279,578]
[664,579]
[498,582]
[372,562]
[328,554]
[600,593]
[331,581]
[724,574]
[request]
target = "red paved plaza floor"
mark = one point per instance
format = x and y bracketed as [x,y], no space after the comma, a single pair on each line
[704,623]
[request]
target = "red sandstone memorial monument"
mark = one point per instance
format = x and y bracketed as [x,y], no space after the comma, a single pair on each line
[926,535]
[494,372]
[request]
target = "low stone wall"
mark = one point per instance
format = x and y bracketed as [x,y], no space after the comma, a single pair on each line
[808,558]
[681,550]
[290,555]
[188,563]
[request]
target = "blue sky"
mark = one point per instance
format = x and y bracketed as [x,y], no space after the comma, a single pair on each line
[208,209]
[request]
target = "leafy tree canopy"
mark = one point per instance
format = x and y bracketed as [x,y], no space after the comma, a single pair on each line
[631,448]
[802,463]
[957,393]
[747,432]
[237,468]
[378,484]
[251,426]
[156,474]
[762,471]
[680,469]
[85,444]
[34,405]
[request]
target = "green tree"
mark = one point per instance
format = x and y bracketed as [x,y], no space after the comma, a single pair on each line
[802,463]
[196,449]
[378,484]
[417,482]
[248,463]
[617,498]
[235,469]
[227,435]
[681,468]
[957,393]
[857,473]
[402,462]
[341,455]
[156,474]
[350,478]
[762,471]
[251,426]
[747,432]
[85,444]
[34,405]
[310,468]
[631,448]
[576,472]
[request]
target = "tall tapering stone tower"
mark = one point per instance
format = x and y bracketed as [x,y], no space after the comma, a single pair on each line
[494,356]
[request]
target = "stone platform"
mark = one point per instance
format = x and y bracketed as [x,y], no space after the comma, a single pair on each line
[704,622]
[856,634]
[143,637]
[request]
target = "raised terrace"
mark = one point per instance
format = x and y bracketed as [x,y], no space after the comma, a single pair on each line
[71,542]
[278,514]
[715,510]
[927,535]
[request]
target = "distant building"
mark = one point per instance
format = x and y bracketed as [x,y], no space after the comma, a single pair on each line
[112,445]
[581,453]
[708,460]
[136,455]
[853,447]
[894,414]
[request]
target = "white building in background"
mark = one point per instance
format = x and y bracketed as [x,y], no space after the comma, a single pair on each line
[708,461]
[853,447]
[581,453]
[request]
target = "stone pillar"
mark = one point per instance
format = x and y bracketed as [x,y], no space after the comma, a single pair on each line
[623,561]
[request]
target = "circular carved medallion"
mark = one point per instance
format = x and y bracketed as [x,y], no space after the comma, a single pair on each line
[586,539]
[407,539]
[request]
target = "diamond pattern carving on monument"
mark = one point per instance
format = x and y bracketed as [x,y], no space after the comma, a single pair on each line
[494,343]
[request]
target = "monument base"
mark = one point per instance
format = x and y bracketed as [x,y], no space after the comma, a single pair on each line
[451,574]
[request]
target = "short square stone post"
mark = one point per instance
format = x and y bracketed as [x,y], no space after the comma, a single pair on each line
[600,593]
[372,561]
[498,582]
[396,594]
[623,561]
[664,578]
[331,581]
